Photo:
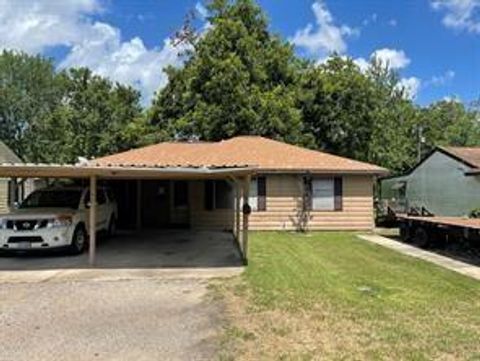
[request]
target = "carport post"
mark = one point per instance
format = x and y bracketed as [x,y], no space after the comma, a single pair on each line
[246,196]
[237,210]
[92,219]
[13,192]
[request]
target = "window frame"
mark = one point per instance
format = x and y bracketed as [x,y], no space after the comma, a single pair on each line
[337,194]
[210,189]
[258,199]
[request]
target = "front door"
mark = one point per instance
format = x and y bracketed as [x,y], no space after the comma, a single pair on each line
[180,214]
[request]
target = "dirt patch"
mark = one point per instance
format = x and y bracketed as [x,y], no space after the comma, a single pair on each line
[324,332]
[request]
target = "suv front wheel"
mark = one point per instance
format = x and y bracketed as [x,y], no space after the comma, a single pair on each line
[79,240]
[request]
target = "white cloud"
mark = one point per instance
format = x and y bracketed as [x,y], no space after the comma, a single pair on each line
[34,26]
[410,86]
[452,99]
[325,37]
[362,63]
[439,80]
[127,62]
[395,59]
[460,14]
[201,10]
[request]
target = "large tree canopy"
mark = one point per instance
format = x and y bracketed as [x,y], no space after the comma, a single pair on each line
[55,117]
[29,89]
[238,79]
[363,115]
[241,79]
[92,120]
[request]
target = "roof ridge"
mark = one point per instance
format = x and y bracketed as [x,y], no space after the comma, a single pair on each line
[307,149]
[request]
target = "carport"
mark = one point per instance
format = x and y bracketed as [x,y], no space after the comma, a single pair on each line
[238,176]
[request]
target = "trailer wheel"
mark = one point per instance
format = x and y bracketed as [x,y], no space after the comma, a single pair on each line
[421,238]
[404,232]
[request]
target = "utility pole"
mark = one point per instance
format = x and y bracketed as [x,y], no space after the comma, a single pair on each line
[421,140]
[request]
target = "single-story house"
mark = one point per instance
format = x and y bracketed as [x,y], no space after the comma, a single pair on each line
[292,188]
[443,183]
[244,183]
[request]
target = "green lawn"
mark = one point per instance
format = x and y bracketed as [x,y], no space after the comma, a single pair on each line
[334,296]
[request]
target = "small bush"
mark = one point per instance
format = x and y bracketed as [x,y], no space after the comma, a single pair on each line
[475,213]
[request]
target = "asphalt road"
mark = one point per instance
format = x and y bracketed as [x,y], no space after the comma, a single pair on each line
[107,320]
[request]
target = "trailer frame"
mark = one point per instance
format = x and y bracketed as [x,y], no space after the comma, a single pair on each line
[430,230]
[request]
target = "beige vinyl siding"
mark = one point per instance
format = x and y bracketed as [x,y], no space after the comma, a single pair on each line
[200,218]
[285,204]
[284,207]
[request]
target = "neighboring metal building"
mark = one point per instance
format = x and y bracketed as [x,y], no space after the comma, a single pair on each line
[442,183]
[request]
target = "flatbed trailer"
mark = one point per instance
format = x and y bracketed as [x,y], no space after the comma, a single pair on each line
[429,230]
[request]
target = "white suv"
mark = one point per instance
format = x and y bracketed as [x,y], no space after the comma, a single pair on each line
[54,218]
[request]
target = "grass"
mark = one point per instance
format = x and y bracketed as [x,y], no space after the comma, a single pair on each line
[333,296]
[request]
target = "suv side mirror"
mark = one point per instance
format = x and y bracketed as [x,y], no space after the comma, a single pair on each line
[88,204]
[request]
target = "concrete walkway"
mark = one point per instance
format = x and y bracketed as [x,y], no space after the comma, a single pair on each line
[446,262]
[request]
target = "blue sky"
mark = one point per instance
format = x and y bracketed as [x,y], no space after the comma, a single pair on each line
[434,44]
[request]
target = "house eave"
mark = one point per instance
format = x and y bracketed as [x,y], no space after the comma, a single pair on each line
[27,170]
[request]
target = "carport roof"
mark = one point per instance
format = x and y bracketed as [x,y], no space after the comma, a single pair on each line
[31,170]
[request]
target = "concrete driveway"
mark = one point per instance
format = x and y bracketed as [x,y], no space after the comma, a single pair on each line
[140,319]
[146,249]
[146,299]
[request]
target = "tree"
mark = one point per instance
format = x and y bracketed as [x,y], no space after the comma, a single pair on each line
[363,115]
[336,101]
[237,79]
[449,123]
[394,135]
[49,116]
[29,89]
[96,117]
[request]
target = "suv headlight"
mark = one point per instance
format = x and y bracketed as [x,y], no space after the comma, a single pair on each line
[60,221]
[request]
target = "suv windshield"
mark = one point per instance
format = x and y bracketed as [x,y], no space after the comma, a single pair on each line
[53,199]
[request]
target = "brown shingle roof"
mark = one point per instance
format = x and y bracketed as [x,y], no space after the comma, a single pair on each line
[469,155]
[263,153]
